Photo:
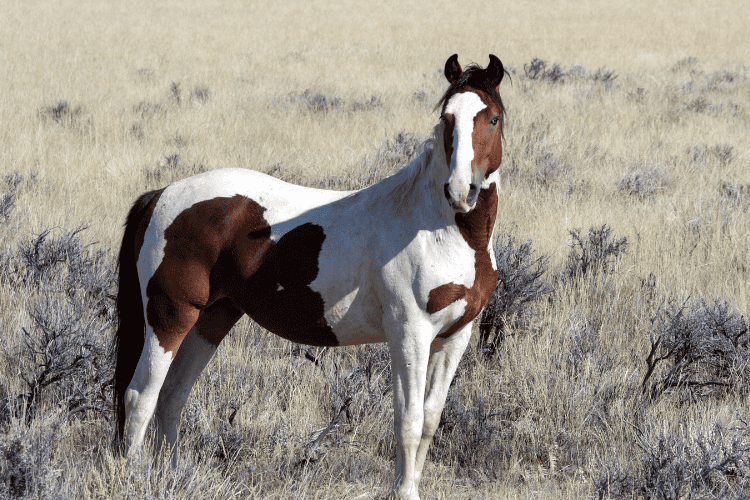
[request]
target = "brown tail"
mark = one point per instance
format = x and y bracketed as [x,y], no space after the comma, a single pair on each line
[130,336]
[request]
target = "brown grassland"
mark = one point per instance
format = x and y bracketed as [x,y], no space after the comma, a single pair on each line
[625,374]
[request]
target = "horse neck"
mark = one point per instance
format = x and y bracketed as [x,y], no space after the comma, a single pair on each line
[477,227]
[418,190]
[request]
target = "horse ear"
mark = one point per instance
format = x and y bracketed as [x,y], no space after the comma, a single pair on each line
[452,69]
[495,70]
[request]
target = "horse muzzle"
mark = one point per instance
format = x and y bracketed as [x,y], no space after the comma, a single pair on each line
[465,202]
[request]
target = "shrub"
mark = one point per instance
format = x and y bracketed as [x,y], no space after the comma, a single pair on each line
[538,70]
[543,165]
[60,263]
[475,436]
[644,182]
[320,103]
[519,283]
[26,457]
[64,347]
[603,75]
[11,183]
[62,113]
[316,102]
[375,103]
[616,478]
[7,204]
[701,153]
[550,169]
[597,254]
[695,461]
[685,63]
[735,193]
[201,94]
[699,348]
[145,109]
[174,91]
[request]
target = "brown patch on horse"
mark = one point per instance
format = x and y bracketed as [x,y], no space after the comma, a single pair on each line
[217,320]
[487,139]
[476,228]
[278,296]
[222,248]
[449,126]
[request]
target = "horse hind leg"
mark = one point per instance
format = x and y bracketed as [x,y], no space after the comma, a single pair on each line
[195,352]
[143,390]
[157,355]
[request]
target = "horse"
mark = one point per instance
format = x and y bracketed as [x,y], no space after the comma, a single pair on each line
[408,261]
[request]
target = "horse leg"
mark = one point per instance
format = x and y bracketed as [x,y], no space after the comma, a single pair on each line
[143,390]
[195,352]
[159,349]
[444,357]
[409,347]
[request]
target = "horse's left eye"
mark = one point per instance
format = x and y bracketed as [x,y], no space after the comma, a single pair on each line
[493,122]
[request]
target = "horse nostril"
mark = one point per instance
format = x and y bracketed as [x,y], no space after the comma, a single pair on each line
[445,190]
[472,189]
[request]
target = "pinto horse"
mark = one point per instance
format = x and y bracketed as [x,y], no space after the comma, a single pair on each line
[408,261]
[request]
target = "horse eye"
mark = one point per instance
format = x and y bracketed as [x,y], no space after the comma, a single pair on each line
[493,122]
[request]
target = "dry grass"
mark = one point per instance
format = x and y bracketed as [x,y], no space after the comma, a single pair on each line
[101,102]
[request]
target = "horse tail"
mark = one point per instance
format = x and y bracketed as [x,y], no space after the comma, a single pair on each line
[130,337]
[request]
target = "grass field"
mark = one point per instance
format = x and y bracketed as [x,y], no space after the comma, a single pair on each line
[618,362]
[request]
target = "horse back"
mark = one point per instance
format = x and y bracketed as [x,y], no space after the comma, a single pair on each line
[248,237]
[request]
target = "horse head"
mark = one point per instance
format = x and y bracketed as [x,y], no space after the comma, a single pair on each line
[472,113]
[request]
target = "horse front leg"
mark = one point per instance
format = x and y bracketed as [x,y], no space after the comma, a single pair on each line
[409,348]
[445,355]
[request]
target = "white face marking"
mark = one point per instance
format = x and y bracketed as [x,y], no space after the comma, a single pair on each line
[464,108]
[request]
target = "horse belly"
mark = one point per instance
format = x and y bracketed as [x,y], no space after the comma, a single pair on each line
[356,317]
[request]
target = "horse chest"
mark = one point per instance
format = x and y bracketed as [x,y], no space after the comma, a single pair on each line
[453,303]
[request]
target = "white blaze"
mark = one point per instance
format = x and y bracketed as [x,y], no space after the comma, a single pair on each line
[464,108]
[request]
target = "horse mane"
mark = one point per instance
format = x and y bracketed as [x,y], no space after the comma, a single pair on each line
[401,185]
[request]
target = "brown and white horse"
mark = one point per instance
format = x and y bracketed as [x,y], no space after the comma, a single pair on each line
[408,261]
